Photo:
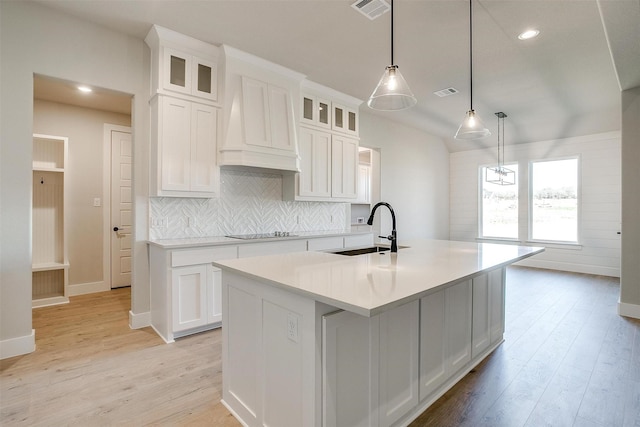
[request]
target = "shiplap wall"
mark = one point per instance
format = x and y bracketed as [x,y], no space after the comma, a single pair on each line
[600,198]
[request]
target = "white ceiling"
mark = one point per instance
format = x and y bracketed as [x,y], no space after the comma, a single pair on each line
[564,83]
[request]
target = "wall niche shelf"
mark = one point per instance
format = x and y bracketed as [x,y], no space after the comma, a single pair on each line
[50,263]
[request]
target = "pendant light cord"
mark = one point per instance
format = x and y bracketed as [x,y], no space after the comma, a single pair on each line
[470,50]
[392,63]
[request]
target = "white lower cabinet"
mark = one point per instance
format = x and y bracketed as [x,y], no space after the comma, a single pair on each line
[445,335]
[186,289]
[488,310]
[196,295]
[378,354]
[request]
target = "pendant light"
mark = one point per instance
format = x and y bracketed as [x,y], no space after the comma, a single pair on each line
[392,92]
[472,126]
[499,174]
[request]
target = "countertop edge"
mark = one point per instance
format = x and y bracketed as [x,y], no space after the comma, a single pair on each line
[189,242]
[370,312]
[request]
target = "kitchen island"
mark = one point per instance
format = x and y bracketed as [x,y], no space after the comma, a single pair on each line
[321,339]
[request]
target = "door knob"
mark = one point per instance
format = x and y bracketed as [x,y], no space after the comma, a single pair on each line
[116,229]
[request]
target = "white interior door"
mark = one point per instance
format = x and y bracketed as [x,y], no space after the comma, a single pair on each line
[121,203]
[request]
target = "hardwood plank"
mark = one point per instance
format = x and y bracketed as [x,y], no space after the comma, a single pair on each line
[569,359]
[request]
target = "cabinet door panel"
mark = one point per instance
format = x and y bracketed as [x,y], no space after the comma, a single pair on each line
[398,362]
[189,297]
[176,144]
[204,79]
[281,118]
[344,167]
[458,319]
[177,71]
[255,109]
[315,163]
[204,127]
[347,387]
[214,309]
[496,305]
[480,334]
[432,343]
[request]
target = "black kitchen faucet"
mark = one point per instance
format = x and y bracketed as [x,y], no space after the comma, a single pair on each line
[393,236]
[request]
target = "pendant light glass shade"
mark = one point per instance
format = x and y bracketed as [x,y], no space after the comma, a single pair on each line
[472,127]
[392,92]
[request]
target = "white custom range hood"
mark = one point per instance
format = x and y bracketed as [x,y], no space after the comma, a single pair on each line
[259,128]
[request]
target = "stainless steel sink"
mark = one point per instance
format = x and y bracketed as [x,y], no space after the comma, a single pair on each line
[362,251]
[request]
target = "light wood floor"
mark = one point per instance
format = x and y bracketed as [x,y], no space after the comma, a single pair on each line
[568,360]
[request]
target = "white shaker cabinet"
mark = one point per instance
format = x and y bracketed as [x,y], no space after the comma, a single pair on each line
[488,310]
[186,135]
[328,168]
[182,66]
[196,296]
[344,167]
[445,335]
[184,115]
[345,120]
[189,74]
[314,179]
[186,289]
[360,388]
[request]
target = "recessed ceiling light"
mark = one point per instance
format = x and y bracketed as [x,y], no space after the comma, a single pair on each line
[529,34]
[85,89]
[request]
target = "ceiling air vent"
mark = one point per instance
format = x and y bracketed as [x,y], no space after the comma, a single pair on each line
[371,8]
[446,92]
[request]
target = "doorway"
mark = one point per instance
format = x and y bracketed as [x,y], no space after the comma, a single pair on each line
[61,109]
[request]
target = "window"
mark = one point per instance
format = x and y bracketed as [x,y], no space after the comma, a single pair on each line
[499,210]
[553,208]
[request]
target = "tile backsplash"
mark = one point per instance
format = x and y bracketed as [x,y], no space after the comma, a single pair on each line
[250,202]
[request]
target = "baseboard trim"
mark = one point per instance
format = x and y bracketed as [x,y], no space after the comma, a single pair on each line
[629,310]
[87,288]
[139,320]
[18,346]
[575,268]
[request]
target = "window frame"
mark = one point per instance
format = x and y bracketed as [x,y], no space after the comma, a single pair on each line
[530,238]
[480,187]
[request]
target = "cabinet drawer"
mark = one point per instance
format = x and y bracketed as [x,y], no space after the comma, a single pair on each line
[271,248]
[181,258]
[325,243]
[360,240]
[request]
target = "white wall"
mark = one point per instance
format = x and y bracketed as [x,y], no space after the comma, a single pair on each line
[600,199]
[414,175]
[36,39]
[630,279]
[85,129]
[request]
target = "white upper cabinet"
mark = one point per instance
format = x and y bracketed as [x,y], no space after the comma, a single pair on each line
[185,153]
[316,111]
[328,140]
[259,126]
[184,115]
[345,120]
[189,74]
[182,66]
[344,167]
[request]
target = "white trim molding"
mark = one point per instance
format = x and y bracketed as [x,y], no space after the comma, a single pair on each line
[139,320]
[88,288]
[18,346]
[628,310]
[572,267]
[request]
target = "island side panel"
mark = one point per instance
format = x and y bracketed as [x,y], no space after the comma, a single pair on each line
[269,354]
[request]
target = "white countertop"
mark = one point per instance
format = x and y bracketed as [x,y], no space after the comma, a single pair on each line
[222,240]
[372,283]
